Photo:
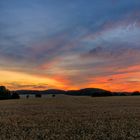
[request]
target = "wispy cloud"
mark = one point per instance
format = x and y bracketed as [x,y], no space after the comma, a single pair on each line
[75,43]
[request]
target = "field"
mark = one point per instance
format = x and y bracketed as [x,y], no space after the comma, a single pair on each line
[70,118]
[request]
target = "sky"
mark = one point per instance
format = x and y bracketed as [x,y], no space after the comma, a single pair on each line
[70,44]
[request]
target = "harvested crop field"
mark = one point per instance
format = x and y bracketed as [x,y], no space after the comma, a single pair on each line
[70,118]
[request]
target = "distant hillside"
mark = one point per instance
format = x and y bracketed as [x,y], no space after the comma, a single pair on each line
[49,91]
[89,92]
[81,92]
[54,91]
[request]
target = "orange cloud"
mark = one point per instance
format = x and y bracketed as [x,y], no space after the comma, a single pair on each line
[128,81]
[23,79]
[125,79]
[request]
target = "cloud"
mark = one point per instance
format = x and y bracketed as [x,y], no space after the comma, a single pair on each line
[63,40]
[28,86]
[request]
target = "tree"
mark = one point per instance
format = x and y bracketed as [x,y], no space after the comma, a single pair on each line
[27,96]
[38,95]
[4,93]
[136,93]
[15,95]
[53,95]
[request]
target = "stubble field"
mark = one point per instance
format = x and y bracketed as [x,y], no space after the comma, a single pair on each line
[70,118]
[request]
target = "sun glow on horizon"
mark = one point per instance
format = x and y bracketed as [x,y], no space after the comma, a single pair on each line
[18,80]
[70,44]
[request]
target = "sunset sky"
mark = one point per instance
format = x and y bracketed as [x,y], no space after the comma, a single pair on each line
[70,44]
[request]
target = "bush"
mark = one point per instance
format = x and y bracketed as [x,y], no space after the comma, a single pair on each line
[27,96]
[136,93]
[4,93]
[38,95]
[53,95]
[15,96]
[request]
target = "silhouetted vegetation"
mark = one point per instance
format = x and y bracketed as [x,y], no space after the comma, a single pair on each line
[6,94]
[38,95]
[136,93]
[53,95]
[15,95]
[93,92]
[120,93]
[27,96]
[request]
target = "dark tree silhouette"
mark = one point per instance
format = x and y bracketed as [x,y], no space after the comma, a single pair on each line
[15,95]
[27,96]
[136,93]
[53,95]
[38,95]
[4,93]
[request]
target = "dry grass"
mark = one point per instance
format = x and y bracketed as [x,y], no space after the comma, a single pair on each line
[71,118]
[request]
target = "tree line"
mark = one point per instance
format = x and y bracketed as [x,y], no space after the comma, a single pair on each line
[7,94]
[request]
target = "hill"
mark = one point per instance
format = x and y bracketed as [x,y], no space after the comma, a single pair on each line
[81,92]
